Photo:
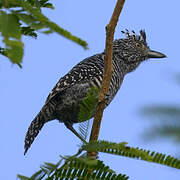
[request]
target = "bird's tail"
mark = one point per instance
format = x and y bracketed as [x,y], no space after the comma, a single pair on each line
[33,130]
[36,125]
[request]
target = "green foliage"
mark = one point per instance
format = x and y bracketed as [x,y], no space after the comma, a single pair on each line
[87,110]
[76,168]
[84,129]
[164,119]
[164,111]
[10,30]
[167,121]
[123,150]
[28,31]
[45,170]
[41,3]
[88,106]
[24,17]
[83,167]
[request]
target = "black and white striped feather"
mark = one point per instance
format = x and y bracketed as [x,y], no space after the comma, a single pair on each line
[63,103]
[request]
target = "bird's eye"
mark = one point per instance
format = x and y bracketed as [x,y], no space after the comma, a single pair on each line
[138,45]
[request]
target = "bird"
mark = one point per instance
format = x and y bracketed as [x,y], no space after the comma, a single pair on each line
[64,101]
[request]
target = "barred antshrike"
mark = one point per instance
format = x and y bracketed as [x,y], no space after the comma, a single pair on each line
[63,103]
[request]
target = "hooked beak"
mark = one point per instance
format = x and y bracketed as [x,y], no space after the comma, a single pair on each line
[155,54]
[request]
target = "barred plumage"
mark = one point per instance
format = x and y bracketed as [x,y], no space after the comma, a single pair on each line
[63,103]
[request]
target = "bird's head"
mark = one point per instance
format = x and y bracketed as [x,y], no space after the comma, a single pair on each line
[134,49]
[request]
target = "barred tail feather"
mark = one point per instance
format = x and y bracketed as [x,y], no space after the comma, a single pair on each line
[46,114]
[33,130]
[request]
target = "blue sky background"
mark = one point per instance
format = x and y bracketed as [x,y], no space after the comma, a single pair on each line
[23,91]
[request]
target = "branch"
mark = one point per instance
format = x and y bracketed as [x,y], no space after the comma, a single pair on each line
[110,28]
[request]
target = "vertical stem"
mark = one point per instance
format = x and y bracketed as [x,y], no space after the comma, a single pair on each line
[110,28]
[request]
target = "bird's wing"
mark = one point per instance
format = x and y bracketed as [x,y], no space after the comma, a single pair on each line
[90,69]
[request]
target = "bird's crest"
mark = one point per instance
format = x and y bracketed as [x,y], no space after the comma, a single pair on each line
[132,35]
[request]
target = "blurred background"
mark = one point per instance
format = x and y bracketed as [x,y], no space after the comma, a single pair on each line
[145,112]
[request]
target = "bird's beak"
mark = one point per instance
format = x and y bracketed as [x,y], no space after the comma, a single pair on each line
[155,54]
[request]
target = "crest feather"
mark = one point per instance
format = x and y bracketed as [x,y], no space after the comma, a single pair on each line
[132,34]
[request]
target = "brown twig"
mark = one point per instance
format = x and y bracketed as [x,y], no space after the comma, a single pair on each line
[110,28]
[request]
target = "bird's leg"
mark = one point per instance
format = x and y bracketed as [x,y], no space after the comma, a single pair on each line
[70,127]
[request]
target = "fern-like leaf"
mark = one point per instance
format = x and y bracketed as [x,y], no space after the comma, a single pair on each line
[88,105]
[87,109]
[83,168]
[123,150]
[80,168]
[84,129]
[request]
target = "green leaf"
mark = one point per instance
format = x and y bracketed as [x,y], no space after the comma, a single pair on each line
[23,177]
[77,168]
[40,3]
[44,3]
[88,105]
[47,31]
[87,109]
[38,175]
[3,51]
[9,26]
[85,168]
[122,150]
[48,5]
[14,50]
[46,23]
[10,30]
[28,31]
[26,18]
[9,3]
